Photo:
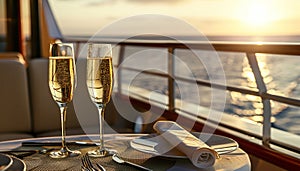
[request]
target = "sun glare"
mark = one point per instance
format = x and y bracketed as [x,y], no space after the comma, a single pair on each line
[258,13]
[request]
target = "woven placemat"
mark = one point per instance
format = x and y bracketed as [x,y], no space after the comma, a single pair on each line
[44,162]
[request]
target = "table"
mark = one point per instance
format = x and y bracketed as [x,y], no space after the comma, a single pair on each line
[237,160]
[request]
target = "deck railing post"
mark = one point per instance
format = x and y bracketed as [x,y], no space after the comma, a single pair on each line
[266,102]
[119,73]
[171,81]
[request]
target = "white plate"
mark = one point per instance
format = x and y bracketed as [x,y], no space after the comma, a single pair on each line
[5,162]
[17,165]
[149,144]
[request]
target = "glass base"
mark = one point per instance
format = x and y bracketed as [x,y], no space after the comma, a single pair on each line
[63,153]
[102,152]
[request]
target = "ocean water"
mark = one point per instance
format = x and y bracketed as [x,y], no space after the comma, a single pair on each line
[280,73]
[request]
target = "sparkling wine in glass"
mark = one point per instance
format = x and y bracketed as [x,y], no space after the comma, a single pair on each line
[62,80]
[100,82]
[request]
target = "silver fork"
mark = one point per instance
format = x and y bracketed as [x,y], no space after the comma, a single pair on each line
[88,166]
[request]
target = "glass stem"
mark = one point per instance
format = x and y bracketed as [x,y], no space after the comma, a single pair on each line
[101,109]
[63,111]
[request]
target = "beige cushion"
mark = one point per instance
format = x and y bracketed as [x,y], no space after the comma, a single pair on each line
[14,101]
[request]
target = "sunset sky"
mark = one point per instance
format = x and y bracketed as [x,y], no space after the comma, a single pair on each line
[212,17]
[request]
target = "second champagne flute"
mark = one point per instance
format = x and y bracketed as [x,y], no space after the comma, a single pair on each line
[100,82]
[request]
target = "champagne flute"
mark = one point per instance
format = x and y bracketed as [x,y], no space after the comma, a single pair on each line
[62,80]
[100,82]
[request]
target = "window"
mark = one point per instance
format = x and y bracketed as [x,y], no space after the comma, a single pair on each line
[2,25]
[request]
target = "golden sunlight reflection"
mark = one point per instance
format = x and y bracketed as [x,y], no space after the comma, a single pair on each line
[253,110]
[251,106]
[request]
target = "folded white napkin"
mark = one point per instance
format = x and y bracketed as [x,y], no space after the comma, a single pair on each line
[200,154]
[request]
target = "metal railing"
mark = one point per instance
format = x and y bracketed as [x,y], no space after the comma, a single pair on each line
[250,49]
